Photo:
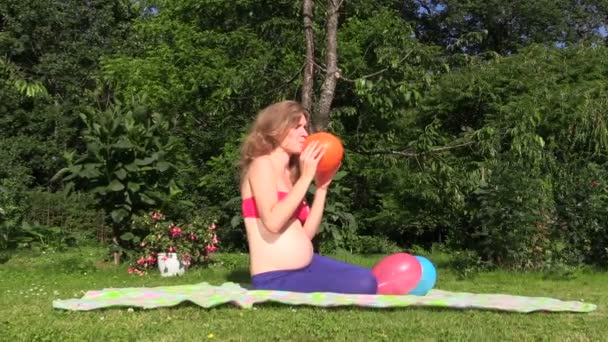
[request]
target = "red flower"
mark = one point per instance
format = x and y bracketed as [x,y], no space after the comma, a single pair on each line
[175,232]
[185,238]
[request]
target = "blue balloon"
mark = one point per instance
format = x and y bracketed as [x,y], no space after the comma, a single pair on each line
[428,278]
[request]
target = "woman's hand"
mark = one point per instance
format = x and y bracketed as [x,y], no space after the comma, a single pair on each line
[309,160]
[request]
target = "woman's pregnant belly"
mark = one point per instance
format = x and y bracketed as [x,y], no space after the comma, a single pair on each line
[290,249]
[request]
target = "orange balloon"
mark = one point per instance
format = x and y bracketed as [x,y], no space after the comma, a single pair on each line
[333,151]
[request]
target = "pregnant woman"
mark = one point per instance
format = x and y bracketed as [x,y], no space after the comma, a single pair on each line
[276,172]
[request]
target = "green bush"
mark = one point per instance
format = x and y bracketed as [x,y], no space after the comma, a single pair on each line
[75,213]
[41,220]
[512,217]
[130,164]
[217,189]
[361,244]
[581,197]
[40,238]
[12,210]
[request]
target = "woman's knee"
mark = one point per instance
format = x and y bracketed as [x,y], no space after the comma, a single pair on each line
[368,283]
[363,282]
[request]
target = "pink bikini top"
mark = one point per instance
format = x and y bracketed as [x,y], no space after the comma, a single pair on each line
[250,210]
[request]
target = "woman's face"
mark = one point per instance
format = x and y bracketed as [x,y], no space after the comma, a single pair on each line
[296,137]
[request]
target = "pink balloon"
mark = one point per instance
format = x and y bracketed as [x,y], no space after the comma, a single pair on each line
[397,274]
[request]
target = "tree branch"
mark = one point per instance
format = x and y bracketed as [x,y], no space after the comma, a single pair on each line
[414,154]
[375,73]
[278,87]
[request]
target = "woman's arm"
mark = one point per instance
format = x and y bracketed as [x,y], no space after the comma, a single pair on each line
[263,181]
[313,221]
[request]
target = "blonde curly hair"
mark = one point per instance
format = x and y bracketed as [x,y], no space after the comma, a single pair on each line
[270,127]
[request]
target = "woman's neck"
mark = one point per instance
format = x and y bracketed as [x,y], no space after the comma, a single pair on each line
[280,158]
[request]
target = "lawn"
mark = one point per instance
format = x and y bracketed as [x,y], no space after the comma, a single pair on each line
[29,283]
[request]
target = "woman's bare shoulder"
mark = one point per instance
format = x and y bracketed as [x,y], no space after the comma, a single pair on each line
[261,165]
[262,175]
[260,161]
[260,169]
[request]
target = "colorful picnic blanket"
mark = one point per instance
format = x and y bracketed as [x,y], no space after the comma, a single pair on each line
[207,296]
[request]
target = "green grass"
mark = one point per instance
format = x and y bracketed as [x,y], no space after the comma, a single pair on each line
[29,284]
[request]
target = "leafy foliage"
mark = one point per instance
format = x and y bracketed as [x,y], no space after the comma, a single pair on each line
[12,211]
[533,117]
[505,27]
[49,58]
[477,124]
[511,221]
[194,241]
[130,163]
[339,225]
[581,198]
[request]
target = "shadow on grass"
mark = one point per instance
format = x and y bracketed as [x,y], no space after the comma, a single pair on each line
[240,276]
[4,257]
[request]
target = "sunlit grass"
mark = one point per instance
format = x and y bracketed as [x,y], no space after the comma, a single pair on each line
[29,284]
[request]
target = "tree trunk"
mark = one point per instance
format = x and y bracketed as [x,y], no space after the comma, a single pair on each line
[332,73]
[309,65]
[115,241]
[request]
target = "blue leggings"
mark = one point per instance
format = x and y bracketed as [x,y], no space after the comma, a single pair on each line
[323,274]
